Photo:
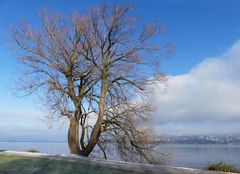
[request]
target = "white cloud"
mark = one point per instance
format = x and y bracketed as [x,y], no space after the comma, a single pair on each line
[206,100]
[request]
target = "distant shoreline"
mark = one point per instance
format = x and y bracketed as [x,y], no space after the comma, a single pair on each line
[31,141]
[165,143]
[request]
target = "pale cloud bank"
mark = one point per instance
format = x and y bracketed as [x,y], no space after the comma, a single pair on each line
[205,100]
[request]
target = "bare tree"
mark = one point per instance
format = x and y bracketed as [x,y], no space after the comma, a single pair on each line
[95,68]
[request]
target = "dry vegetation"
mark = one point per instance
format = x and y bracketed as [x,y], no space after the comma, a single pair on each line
[223,167]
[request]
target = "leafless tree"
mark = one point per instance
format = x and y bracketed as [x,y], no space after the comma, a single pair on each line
[96,70]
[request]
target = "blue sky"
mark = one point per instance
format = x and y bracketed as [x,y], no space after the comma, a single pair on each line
[201,30]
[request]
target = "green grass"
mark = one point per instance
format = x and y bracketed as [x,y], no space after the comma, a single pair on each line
[223,167]
[29,165]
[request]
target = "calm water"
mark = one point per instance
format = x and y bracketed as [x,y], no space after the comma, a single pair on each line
[200,156]
[195,156]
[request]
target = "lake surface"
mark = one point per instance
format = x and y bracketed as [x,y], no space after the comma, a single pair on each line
[182,155]
[200,156]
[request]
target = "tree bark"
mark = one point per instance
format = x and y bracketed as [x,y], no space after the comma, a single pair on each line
[73,137]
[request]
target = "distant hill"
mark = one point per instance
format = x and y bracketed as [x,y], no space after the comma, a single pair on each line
[199,139]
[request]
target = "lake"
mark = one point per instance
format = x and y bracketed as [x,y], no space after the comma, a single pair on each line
[200,156]
[182,155]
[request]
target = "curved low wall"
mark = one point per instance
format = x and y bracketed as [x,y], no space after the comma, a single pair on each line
[143,168]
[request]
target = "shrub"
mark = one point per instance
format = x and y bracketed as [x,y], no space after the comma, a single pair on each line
[223,167]
[33,150]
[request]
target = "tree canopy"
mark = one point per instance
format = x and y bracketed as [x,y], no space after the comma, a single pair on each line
[96,70]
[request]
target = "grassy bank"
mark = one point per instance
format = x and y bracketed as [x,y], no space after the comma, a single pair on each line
[29,165]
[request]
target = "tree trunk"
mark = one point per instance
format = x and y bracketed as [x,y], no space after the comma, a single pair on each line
[73,137]
[96,132]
